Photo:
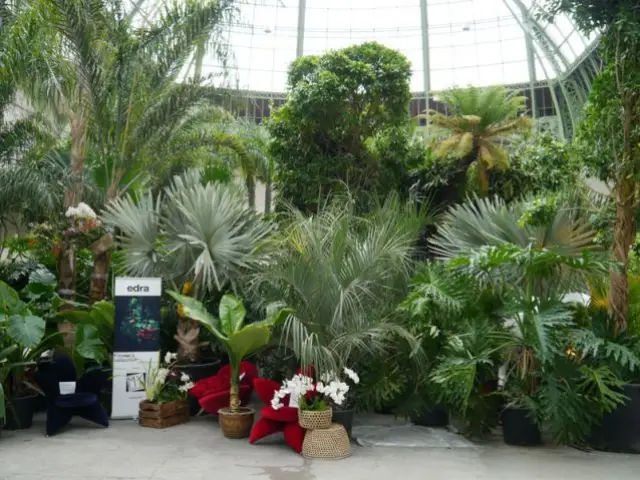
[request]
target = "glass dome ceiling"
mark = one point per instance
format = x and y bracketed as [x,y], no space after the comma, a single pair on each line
[465,42]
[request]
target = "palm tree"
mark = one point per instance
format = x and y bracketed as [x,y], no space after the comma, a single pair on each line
[117,86]
[481,120]
[343,276]
[491,222]
[196,234]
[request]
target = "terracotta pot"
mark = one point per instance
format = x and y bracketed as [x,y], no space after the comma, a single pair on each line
[238,424]
[315,419]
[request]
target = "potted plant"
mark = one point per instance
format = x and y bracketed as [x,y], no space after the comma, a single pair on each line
[22,341]
[165,389]
[340,395]
[239,340]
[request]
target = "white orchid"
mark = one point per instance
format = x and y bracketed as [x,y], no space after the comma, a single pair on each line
[83,211]
[170,357]
[184,378]
[186,387]
[352,375]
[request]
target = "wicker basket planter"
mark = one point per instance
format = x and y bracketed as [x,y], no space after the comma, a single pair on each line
[163,415]
[236,425]
[315,419]
[332,442]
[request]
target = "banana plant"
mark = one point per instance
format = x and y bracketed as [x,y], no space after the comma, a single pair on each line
[239,339]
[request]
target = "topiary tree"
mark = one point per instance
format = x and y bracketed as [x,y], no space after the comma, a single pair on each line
[333,130]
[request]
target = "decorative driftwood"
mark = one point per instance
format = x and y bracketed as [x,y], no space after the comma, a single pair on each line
[163,415]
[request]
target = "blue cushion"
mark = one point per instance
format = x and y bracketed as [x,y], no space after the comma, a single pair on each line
[75,400]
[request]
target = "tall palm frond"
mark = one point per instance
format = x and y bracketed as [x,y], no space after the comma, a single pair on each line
[342,275]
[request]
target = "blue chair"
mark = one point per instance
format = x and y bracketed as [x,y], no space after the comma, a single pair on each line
[83,403]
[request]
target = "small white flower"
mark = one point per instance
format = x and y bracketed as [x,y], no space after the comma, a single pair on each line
[276,404]
[71,212]
[352,375]
[188,386]
[184,378]
[169,357]
[161,375]
[328,376]
[85,211]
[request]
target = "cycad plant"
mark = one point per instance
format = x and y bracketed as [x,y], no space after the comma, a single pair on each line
[343,276]
[479,123]
[200,235]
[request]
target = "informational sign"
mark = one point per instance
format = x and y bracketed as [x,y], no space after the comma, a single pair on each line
[137,341]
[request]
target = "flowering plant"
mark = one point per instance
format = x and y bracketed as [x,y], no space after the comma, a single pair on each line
[331,390]
[163,384]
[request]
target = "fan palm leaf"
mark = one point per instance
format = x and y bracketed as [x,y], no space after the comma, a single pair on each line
[340,273]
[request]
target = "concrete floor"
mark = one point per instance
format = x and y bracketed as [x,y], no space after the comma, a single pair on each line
[198,451]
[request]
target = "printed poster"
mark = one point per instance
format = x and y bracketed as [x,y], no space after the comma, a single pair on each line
[137,341]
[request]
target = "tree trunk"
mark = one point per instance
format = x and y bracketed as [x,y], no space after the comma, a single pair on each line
[251,190]
[483,178]
[268,195]
[72,196]
[187,335]
[624,232]
[234,398]
[101,250]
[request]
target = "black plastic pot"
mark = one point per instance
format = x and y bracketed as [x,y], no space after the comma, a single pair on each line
[436,417]
[198,371]
[518,428]
[619,431]
[344,418]
[19,413]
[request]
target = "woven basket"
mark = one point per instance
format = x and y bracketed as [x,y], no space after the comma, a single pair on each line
[332,442]
[315,419]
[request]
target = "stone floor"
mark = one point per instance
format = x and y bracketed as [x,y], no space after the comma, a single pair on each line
[198,451]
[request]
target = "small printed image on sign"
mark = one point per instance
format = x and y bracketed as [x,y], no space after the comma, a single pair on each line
[135,382]
[137,323]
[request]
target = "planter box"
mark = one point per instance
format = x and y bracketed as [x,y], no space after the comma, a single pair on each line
[163,415]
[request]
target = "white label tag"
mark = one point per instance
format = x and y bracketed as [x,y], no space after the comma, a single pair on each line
[67,388]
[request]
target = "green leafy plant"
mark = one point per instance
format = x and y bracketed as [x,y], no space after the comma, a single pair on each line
[201,234]
[481,121]
[239,339]
[340,128]
[163,384]
[343,275]
[22,341]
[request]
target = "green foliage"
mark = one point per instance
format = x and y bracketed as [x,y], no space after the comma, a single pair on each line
[343,275]
[238,338]
[482,120]
[591,15]
[481,222]
[538,165]
[192,232]
[465,373]
[337,129]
